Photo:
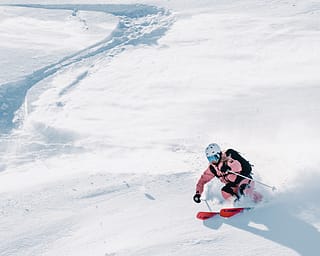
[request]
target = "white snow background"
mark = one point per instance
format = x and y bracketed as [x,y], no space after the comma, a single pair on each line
[106,108]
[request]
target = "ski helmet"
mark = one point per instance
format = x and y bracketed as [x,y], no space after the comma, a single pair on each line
[213,153]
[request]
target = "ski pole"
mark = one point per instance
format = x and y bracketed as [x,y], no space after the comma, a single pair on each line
[264,184]
[207,204]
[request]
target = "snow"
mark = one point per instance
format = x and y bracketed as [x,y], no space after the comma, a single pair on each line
[106,108]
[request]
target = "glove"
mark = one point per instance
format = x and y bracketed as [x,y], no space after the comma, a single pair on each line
[225,168]
[196,198]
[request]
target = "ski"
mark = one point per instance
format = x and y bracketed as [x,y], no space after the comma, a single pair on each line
[229,212]
[224,212]
[206,215]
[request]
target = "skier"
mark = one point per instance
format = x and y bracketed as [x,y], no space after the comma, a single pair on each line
[220,165]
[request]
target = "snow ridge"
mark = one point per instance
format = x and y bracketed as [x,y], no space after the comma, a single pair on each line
[138,24]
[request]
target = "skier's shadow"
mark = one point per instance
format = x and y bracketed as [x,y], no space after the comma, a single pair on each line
[276,223]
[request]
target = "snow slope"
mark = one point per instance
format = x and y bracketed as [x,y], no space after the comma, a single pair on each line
[103,128]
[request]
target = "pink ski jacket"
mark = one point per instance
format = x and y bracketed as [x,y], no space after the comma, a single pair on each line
[225,177]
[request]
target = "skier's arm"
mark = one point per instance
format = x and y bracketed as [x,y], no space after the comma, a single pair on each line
[233,164]
[205,178]
[232,177]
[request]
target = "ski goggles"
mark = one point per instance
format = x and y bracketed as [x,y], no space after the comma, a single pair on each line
[214,158]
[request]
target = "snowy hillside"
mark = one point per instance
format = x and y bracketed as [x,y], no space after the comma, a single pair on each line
[106,108]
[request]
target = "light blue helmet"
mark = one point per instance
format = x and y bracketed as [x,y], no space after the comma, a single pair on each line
[213,153]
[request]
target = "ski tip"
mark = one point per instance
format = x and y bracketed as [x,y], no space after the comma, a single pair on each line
[206,215]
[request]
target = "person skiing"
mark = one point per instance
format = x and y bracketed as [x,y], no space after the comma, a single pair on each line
[225,166]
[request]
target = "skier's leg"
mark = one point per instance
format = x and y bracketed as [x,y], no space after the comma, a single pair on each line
[246,187]
[228,192]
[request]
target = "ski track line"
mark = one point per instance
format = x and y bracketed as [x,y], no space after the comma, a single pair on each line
[138,25]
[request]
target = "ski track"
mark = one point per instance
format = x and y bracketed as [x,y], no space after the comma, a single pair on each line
[279,222]
[138,25]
